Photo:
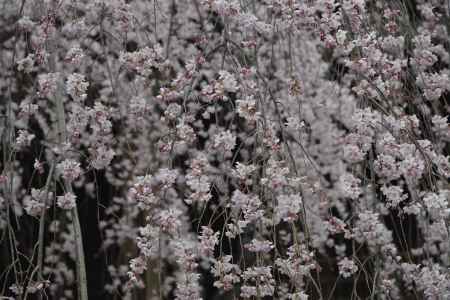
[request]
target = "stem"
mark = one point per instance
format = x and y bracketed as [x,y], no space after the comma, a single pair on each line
[40,258]
[42,227]
[81,274]
[31,277]
[79,251]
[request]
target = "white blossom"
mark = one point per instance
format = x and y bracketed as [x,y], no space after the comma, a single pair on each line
[67,201]
[347,267]
[77,86]
[69,169]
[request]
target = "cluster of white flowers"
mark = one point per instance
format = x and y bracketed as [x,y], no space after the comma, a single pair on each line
[75,56]
[261,277]
[434,85]
[349,186]
[394,195]
[138,265]
[243,172]
[142,192]
[78,121]
[208,240]
[198,180]
[226,83]
[246,108]
[169,220]
[23,140]
[437,204]
[227,273]
[69,169]
[36,203]
[224,142]
[67,201]
[277,174]
[299,262]
[146,241]
[288,207]
[102,157]
[347,267]
[77,86]
[188,279]
[48,84]
[259,246]
[371,230]
[101,123]
[144,60]
[249,204]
